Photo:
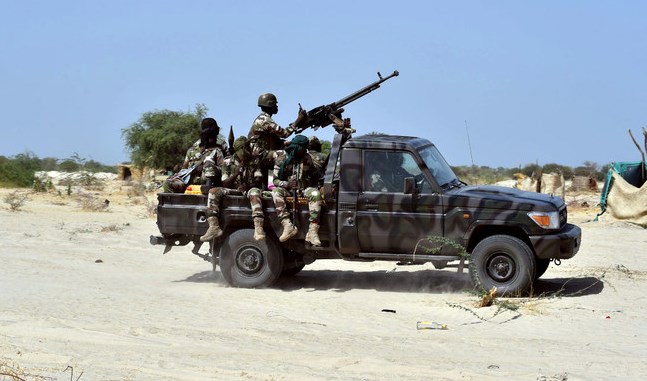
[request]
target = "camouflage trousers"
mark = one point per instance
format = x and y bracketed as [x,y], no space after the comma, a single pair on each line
[254,195]
[174,185]
[214,199]
[314,202]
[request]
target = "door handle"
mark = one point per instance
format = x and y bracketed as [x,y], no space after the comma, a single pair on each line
[372,207]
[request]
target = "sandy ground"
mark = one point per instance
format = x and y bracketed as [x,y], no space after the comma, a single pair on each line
[86,290]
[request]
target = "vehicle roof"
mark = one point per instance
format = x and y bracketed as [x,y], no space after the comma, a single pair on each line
[383,141]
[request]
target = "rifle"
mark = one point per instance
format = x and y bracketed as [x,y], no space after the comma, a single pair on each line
[295,192]
[231,140]
[184,174]
[331,113]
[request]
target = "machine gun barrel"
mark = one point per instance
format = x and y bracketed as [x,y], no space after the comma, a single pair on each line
[363,91]
[324,115]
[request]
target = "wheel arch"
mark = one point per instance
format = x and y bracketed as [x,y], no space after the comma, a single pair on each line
[482,231]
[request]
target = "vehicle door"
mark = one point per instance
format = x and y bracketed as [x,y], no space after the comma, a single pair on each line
[388,219]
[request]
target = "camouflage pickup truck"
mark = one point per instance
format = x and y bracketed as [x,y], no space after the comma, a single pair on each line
[389,198]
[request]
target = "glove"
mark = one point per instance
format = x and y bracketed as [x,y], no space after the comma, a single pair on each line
[302,116]
[292,183]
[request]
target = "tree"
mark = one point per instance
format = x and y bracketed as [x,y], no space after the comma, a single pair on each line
[159,139]
[19,170]
[566,171]
[326,146]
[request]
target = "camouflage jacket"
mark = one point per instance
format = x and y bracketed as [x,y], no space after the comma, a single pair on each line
[310,169]
[266,135]
[195,153]
[212,160]
[249,178]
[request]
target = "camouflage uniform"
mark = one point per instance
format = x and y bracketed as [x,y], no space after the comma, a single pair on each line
[190,172]
[266,136]
[194,153]
[213,159]
[247,178]
[310,170]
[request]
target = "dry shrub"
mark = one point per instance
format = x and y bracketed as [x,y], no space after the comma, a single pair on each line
[151,209]
[91,203]
[113,228]
[11,372]
[16,200]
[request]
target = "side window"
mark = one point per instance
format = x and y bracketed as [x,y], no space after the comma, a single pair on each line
[385,171]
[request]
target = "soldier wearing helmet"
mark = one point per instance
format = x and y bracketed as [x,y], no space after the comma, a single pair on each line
[266,135]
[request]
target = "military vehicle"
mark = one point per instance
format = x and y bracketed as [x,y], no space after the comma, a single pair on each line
[387,198]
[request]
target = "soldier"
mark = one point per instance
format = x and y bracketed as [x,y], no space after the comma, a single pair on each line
[204,148]
[214,158]
[194,152]
[376,164]
[237,178]
[294,169]
[314,150]
[385,172]
[266,135]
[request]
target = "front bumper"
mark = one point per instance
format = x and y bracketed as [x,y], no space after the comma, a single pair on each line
[562,245]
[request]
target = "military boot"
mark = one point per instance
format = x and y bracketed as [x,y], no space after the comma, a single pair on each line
[289,230]
[312,235]
[214,230]
[259,233]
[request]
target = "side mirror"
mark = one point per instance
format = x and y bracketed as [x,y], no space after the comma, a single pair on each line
[410,185]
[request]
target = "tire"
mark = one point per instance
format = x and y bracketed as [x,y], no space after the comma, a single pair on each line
[289,271]
[439,265]
[541,267]
[504,262]
[247,263]
[292,264]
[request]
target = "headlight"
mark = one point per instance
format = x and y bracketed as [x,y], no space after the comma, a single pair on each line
[546,220]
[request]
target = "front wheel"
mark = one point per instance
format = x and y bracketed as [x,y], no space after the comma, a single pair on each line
[247,263]
[504,262]
[542,266]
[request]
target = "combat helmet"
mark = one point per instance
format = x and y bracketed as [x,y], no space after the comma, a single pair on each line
[267,100]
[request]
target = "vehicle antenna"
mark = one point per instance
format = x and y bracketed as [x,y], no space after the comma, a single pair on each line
[469,143]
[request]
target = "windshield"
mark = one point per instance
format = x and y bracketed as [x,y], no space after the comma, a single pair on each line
[438,166]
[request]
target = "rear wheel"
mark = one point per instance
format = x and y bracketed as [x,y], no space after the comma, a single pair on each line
[293,263]
[248,263]
[504,262]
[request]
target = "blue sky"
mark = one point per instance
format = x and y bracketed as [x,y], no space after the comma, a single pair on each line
[531,82]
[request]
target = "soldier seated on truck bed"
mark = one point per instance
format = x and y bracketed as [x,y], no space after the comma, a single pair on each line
[295,170]
[239,176]
[208,149]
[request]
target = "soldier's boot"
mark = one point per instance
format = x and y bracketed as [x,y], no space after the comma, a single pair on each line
[312,235]
[214,230]
[259,233]
[289,230]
